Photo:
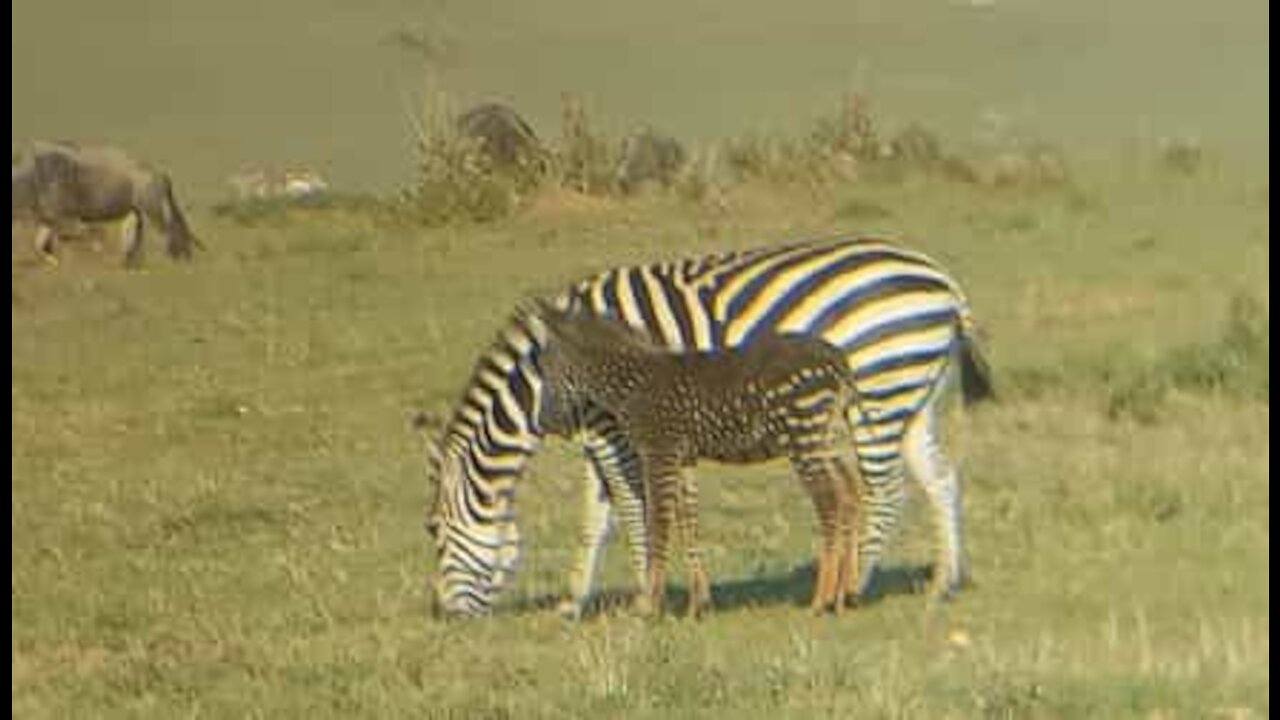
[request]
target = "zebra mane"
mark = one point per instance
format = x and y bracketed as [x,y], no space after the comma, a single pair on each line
[506,357]
[583,331]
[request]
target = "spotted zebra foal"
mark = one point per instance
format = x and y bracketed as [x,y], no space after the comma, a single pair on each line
[783,396]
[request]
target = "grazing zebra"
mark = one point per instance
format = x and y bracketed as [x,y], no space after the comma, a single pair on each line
[779,396]
[901,322]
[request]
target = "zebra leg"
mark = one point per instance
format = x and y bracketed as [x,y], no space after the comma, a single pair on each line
[618,466]
[884,491]
[929,465]
[593,535]
[612,486]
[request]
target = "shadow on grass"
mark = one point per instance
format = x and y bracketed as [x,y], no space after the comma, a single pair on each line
[795,588]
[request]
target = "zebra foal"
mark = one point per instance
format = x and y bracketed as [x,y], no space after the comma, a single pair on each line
[782,396]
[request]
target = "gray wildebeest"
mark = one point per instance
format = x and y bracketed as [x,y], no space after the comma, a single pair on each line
[648,156]
[505,138]
[60,183]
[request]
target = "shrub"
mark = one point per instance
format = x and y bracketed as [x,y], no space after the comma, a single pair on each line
[456,179]
[1235,363]
[585,159]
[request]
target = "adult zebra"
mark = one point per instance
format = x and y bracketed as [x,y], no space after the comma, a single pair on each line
[901,321]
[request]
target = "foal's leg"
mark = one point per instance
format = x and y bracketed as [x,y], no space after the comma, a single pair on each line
[687,517]
[827,497]
[851,510]
[661,480]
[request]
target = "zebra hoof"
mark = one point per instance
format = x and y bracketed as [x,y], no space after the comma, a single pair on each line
[818,610]
[945,592]
[698,610]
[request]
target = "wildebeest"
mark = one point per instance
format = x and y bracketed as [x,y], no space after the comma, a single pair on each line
[648,156]
[60,183]
[506,139]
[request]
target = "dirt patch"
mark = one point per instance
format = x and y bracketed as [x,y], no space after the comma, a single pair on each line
[555,202]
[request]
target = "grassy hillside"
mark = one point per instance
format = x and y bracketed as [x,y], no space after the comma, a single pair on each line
[217,500]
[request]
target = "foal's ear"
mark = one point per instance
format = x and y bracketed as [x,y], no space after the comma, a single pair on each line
[545,312]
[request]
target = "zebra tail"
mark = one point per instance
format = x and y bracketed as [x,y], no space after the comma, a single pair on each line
[975,372]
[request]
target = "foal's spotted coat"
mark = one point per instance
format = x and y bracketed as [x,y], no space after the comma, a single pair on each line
[783,396]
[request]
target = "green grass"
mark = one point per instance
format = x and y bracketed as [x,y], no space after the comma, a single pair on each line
[217,499]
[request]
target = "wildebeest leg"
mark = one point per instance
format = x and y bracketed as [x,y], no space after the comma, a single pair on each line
[46,243]
[131,239]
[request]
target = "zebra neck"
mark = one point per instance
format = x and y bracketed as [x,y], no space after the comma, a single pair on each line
[493,433]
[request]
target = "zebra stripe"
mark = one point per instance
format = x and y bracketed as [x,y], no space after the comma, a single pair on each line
[896,315]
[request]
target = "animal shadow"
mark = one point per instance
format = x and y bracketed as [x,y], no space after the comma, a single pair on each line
[794,588]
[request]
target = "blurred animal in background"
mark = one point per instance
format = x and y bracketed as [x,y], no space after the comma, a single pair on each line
[1181,155]
[292,184]
[58,185]
[506,140]
[648,156]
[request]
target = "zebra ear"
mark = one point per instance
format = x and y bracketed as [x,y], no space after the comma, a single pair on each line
[422,420]
[534,308]
[428,423]
[435,458]
[544,308]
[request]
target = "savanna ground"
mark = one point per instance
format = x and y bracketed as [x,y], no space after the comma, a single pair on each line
[217,498]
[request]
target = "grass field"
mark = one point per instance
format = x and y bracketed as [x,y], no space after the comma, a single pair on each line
[217,499]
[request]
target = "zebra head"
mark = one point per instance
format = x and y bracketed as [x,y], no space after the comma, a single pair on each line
[474,467]
[476,540]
